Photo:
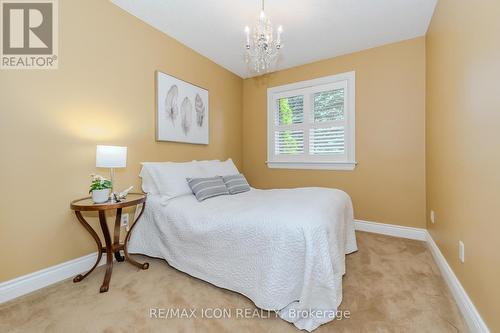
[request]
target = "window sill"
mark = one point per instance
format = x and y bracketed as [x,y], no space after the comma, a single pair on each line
[346,166]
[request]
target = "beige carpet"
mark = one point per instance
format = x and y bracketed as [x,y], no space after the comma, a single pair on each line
[391,285]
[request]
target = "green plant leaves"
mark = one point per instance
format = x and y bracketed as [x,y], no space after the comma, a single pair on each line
[99,184]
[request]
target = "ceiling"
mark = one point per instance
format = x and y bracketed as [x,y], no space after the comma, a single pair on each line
[312,29]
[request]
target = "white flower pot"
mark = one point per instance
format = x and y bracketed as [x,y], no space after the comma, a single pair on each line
[100,196]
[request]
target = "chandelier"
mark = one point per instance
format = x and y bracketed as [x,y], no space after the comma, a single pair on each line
[262,49]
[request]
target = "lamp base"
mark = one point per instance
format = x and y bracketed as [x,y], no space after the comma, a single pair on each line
[112,196]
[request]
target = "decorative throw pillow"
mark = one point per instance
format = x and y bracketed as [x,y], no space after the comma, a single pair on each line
[204,188]
[236,183]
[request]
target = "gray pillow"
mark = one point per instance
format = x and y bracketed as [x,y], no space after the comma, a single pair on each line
[236,183]
[204,188]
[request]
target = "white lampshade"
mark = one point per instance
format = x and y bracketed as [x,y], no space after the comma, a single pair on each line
[111,157]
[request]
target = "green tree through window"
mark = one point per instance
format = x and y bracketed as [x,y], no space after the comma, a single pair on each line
[290,144]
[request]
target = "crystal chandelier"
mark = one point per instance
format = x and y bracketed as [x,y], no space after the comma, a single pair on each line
[262,49]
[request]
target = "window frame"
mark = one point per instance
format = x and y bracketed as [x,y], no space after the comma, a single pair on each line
[307,88]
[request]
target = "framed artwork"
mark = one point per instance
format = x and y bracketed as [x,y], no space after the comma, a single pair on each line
[181,110]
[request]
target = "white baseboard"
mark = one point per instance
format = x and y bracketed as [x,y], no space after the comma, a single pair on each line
[28,283]
[391,230]
[471,315]
[45,277]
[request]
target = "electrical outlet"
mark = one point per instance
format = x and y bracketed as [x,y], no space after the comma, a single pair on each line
[461,251]
[124,220]
[433,217]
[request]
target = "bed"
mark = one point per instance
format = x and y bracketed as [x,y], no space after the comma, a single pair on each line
[283,248]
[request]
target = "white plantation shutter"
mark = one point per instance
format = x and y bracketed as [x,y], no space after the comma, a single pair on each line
[289,142]
[329,105]
[290,110]
[311,124]
[327,141]
[289,116]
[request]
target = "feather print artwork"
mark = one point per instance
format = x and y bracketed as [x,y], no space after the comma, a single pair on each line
[182,111]
[200,110]
[171,103]
[186,115]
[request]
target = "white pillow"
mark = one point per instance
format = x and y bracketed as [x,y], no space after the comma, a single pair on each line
[217,168]
[148,184]
[169,178]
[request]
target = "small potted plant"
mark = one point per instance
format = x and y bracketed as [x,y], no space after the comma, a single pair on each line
[100,189]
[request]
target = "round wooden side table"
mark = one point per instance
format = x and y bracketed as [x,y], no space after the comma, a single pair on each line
[86,205]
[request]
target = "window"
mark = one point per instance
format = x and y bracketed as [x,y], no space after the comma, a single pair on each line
[311,124]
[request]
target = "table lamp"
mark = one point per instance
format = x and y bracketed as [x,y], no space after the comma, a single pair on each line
[111,157]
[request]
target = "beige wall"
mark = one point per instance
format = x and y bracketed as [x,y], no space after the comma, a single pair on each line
[463,144]
[388,185]
[102,93]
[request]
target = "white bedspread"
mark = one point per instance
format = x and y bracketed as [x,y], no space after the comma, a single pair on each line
[284,249]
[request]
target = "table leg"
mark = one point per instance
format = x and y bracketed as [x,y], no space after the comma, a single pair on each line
[109,251]
[125,251]
[94,235]
[116,243]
